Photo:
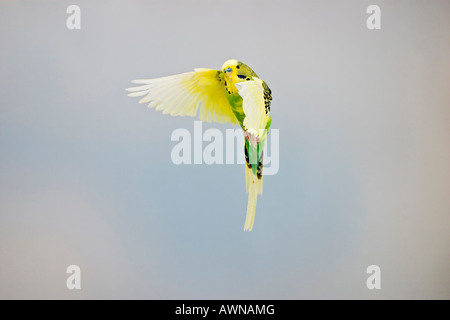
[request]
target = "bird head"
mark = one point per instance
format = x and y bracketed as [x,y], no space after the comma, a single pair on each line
[236,71]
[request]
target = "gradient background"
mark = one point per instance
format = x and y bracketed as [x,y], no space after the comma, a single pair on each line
[86,176]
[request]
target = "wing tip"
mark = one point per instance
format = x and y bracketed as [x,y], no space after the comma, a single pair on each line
[140,81]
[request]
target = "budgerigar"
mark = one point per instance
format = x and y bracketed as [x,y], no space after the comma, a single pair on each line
[234,94]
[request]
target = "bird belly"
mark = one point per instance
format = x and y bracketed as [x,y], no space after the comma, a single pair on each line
[235,101]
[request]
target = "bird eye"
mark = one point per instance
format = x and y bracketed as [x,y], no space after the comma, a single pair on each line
[237,67]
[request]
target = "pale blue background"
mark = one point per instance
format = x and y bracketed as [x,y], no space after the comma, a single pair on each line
[86,176]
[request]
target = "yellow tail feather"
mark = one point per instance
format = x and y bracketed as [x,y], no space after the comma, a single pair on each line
[254,187]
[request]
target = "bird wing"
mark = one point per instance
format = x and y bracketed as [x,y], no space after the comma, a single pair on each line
[256,105]
[200,91]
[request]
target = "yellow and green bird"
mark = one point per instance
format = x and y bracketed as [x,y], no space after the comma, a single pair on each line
[234,94]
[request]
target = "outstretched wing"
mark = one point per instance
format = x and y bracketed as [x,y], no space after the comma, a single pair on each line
[256,104]
[201,91]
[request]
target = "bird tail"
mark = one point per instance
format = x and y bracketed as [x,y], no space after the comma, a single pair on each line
[254,184]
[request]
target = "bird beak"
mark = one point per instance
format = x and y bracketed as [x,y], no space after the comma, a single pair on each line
[228,73]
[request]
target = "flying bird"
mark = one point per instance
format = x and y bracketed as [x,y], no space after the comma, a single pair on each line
[235,94]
